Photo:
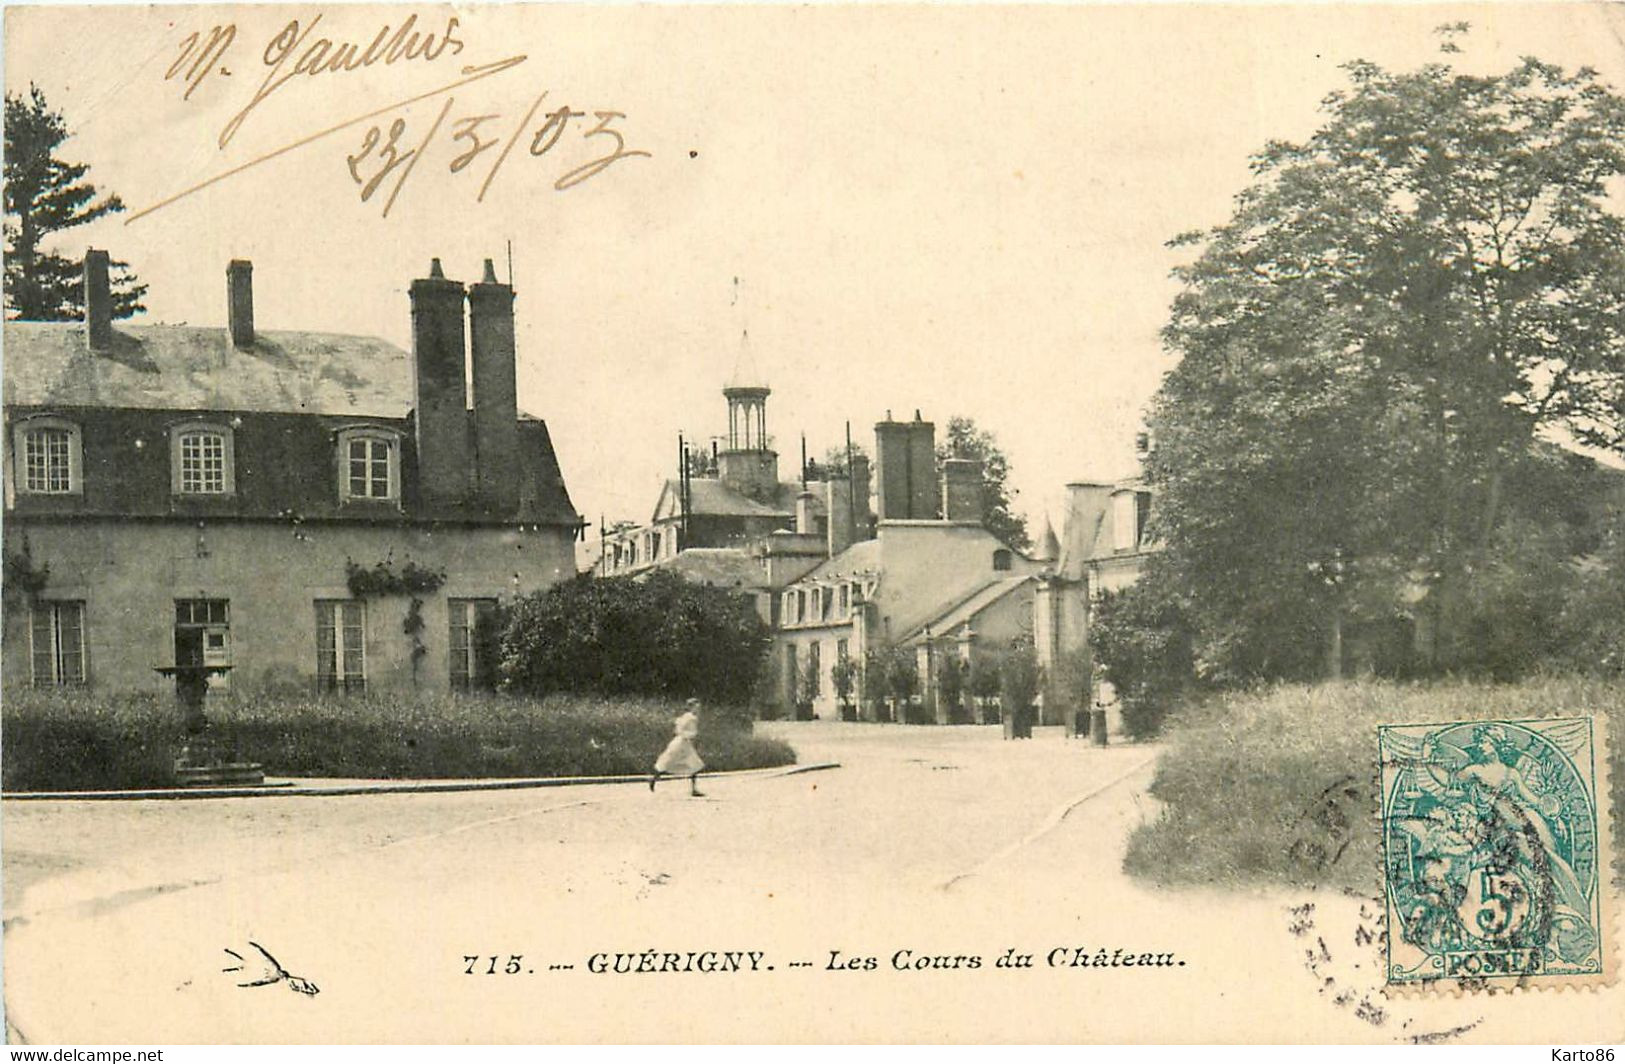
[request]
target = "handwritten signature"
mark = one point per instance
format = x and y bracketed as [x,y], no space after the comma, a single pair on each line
[296,53]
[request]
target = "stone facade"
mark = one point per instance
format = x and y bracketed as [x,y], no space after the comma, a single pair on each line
[1103,547]
[182,495]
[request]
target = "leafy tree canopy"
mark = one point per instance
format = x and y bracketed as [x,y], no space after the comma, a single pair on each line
[1371,343]
[45,196]
[965,440]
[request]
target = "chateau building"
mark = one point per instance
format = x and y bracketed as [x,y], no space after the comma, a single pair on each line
[298,508]
[1103,547]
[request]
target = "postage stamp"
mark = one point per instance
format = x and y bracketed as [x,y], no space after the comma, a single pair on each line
[1495,853]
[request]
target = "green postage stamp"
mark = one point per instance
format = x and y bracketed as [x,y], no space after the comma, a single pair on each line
[1495,853]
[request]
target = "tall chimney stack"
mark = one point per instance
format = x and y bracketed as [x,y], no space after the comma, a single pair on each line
[98,301]
[863,517]
[496,402]
[926,499]
[962,490]
[240,302]
[440,388]
[892,467]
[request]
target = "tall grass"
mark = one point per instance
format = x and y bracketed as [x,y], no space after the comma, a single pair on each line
[1279,785]
[55,740]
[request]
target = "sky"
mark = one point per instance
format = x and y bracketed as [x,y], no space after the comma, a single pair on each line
[957,210]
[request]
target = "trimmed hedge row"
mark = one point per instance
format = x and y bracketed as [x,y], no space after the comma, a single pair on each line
[84,740]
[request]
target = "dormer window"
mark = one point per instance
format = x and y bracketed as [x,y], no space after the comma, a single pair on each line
[52,461]
[202,461]
[1130,512]
[1001,560]
[369,465]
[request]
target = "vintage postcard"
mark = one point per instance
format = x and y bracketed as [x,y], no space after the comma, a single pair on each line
[541,523]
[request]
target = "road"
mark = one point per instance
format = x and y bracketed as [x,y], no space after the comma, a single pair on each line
[927,845]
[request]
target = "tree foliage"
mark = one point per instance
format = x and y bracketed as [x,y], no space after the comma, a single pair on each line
[1369,347]
[45,196]
[656,634]
[965,440]
[1142,640]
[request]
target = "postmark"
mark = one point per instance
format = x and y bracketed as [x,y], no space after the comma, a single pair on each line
[1495,854]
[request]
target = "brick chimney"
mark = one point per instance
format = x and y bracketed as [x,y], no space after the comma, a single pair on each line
[905,457]
[863,526]
[806,521]
[440,390]
[98,301]
[240,302]
[496,403]
[962,490]
[922,462]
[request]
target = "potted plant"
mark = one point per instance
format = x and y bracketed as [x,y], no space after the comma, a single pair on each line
[876,684]
[1019,679]
[843,676]
[984,687]
[903,682]
[806,690]
[950,686]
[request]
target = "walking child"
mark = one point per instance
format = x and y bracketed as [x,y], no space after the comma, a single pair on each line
[680,758]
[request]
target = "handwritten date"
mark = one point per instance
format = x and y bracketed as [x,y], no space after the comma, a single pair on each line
[384,149]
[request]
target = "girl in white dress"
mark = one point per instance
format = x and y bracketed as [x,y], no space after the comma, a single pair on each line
[680,758]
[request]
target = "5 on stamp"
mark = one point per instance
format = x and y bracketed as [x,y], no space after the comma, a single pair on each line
[1494,854]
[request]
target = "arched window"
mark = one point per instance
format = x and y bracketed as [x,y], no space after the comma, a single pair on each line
[1001,561]
[48,452]
[369,465]
[202,459]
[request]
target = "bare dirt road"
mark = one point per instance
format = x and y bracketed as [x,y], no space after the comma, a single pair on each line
[830,906]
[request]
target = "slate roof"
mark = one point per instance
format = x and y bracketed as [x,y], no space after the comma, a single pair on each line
[183,367]
[293,392]
[968,607]
[860,557]
[709,497]
[718,567]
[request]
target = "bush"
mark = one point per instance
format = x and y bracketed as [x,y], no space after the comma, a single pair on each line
[843,676]
[1019,676]
[1278,785]
[653,636]
[65,739]
[1142,644]
[92,741]
[951,682]
[1592,621]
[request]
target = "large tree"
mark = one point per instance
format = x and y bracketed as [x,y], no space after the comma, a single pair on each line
[965,440]
[45,196]
[1370,345]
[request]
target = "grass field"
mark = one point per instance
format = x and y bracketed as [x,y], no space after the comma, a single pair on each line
[1279,785]
[82,740]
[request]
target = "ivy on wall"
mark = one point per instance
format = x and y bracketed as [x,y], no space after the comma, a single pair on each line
[383,579]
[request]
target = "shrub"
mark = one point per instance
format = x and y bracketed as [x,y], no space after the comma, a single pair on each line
[1019,676]
[951,681]
[1592,620]
[68,739]
[877,680]
[653,636]
[843,676]
[92,741]
[1142,644]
